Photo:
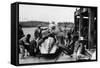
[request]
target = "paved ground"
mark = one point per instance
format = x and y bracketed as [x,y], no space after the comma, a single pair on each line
[61,57]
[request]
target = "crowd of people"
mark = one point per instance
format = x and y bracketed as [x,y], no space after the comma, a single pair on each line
[66,41]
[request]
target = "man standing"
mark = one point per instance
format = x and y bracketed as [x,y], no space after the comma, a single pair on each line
[20,32]
[38,33]
[38,37]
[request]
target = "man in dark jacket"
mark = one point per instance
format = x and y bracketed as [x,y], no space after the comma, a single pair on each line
[20,32]
[20,35]
[38,33]
[38,37]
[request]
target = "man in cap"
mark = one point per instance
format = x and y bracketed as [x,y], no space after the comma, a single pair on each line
[38,33]
[38,36]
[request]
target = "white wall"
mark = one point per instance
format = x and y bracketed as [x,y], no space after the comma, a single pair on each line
[5,33]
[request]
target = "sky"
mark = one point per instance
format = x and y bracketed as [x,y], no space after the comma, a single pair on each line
[46,13]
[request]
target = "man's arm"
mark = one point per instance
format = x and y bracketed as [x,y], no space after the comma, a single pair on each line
[44,28]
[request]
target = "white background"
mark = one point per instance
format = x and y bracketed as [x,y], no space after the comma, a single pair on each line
[5,26]
[46,13]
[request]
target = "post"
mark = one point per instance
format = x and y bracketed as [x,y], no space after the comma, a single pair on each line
[90,28]
[80,23]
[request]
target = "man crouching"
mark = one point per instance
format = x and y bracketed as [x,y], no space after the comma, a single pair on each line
[24,44]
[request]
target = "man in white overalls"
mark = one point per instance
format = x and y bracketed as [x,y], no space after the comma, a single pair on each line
[52,27]
[49,39]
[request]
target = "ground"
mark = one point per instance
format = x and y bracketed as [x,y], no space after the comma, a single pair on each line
[30,59]
[61,57]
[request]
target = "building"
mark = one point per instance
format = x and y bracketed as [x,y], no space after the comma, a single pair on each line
[86,25]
